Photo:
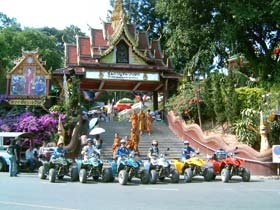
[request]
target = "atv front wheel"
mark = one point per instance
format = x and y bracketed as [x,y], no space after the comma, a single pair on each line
[225,175]
[188,174]
[41,172]
[83,175]
[246,175]
[153,176]
[52,175]
[123,177]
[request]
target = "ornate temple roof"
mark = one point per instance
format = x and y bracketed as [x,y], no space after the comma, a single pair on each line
[98,51]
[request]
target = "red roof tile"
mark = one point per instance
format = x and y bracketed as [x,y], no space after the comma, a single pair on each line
[85,46]
[72,54]
[98,39]
[143,41]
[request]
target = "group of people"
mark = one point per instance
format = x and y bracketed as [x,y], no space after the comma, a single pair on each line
[140,122]
[123,150]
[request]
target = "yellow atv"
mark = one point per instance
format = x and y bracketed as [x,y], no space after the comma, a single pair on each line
[194,166]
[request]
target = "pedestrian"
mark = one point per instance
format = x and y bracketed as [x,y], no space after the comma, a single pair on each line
[30,157]
[98,142]
[116,144]
[110,111]
[149,120]
[129,144]
[135,138]
[141,117]
[186,151]
[18,156]
[11,150]
[134,120]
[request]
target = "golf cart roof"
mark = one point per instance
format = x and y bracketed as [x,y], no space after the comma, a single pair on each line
[10,134]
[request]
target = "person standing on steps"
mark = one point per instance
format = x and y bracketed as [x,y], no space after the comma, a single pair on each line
[149,120]
[141,117]
[134,120]
[116,144]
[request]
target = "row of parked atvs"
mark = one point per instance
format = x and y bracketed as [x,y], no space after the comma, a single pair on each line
[150,171]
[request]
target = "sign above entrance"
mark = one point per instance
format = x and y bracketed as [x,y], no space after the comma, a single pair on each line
[114,75]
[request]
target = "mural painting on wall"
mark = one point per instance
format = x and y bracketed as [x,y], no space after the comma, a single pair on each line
[28,84]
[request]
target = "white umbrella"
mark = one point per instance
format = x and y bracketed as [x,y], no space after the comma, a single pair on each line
[97,131]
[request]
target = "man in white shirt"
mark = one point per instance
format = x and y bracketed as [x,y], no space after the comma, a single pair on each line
[90,150]
[31,159]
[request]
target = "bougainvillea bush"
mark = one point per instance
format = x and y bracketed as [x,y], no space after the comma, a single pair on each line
[40,127]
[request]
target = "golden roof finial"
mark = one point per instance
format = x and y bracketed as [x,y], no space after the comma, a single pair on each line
[118,14]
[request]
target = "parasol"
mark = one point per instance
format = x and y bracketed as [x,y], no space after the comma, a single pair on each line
[93,123]
[97,131]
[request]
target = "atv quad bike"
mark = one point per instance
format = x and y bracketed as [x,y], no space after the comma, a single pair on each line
[160,168]
[227,165]
[58,168]
[194,166]
[93,167]
[128,167]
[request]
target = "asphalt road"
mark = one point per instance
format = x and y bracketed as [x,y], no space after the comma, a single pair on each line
[27,192]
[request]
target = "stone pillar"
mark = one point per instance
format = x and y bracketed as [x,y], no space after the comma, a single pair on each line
[8,85]
[155,100]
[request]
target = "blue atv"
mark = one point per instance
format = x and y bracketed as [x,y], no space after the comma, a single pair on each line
[58,168]
[128,167]
[93,167]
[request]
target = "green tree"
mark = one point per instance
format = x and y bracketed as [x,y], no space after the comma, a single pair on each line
[222,28]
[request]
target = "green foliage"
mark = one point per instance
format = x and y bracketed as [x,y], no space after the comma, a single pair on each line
[249,118]
[249,98]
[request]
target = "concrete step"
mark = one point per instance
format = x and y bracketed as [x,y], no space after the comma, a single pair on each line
[169,143]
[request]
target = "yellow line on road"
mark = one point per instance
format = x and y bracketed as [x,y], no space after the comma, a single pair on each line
[33,205]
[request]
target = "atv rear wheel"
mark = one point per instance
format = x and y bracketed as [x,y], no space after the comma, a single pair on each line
[208,174]
[188,174]
[52,175]
[42,172]
[107,175]
[153,176]
[246,175]
[83,175]
[123,177]
[225,175]
[175,176]
[145,177]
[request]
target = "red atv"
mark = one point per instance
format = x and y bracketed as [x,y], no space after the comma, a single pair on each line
[227,165]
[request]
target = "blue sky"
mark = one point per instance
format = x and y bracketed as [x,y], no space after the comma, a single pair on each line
[56,13]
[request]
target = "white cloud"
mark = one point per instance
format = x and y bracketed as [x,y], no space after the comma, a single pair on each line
[56,13]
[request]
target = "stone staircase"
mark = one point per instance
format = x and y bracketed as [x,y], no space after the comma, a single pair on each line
[169,143]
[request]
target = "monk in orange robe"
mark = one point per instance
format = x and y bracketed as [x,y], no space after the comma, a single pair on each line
[116,144]
[129,143]
[135,139]
[149,120]
[134,120]
[141,117]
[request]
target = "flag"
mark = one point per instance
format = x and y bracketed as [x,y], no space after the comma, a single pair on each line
[88,95]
